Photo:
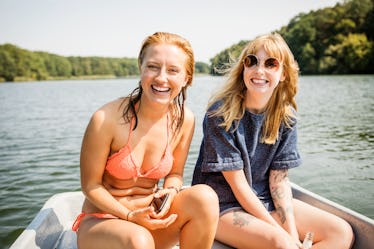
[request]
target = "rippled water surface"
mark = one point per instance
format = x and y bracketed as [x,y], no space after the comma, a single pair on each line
[42,124]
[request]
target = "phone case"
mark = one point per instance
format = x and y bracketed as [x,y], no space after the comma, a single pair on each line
[159,203]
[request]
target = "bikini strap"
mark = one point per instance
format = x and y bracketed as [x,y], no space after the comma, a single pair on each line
[80,217]
[132,123]
[131,127]
[167,128]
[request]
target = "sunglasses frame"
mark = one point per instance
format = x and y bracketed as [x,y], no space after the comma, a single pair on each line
[257,64]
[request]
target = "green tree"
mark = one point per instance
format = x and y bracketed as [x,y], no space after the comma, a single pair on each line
[345,26]
[352,55]
[56,66]
[8,69]
[308,59]
[368,25]
[316,37]
[201,67]
[224,59]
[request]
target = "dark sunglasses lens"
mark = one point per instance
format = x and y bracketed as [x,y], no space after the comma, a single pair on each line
[250,61]
[272,64]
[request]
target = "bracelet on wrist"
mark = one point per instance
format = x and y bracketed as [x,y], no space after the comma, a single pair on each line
[175,188]
[127,216]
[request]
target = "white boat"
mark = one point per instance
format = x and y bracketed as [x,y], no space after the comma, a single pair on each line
[51,228]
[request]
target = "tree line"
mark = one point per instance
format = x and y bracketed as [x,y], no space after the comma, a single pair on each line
[20,64]
[333,40]
[16,63]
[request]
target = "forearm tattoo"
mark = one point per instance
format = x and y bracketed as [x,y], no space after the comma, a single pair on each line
[282,213]
[278,176]
[278,193]
[281,194]
[241,219]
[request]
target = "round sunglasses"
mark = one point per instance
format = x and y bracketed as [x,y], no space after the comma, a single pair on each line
[271,64]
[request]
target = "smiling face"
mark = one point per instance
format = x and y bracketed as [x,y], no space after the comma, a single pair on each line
[261,79]
[163,72]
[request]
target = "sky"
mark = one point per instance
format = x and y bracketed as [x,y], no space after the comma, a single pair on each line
[116,28]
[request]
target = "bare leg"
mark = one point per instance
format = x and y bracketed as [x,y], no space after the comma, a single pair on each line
[329,230]
[198,211]
[241,230]
[113,234]
[202,206]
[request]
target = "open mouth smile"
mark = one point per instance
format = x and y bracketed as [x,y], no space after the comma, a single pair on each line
[259,81]
[160,89]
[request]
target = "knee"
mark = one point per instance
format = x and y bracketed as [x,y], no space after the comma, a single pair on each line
[205,196]
[345,235]
[280,241]
[339,234]
[139,239]
[205,200]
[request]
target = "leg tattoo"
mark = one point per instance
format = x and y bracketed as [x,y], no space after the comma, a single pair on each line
[240,219]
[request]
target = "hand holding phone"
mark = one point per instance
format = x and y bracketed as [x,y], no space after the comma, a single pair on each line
[158,203]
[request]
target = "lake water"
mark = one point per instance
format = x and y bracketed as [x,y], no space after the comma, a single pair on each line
[42,124]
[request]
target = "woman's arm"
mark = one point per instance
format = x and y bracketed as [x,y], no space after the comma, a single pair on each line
[180,151]
[282,197]
[246,197]
[94,153]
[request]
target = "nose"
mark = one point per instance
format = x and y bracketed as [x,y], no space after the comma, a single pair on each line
[162,76]
[260,67]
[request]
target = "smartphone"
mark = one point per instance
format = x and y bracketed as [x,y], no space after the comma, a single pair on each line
[159,203]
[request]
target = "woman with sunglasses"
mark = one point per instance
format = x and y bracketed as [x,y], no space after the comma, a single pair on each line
[249,144]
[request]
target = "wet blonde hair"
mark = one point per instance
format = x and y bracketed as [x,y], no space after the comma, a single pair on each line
[177,108]
[280,105]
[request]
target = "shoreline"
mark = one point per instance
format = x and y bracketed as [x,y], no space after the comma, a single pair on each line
[87,77]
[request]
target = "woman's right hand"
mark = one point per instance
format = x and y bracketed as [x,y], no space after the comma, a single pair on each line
[143,217]
[294,242]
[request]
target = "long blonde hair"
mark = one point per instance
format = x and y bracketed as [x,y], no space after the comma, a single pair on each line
[280,105]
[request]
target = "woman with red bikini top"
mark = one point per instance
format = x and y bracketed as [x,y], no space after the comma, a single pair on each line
[133,143]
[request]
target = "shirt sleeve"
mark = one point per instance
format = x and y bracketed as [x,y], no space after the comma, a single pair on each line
[287,155]
[220,152]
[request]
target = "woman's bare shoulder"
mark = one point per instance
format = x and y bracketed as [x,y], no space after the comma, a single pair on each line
[116,105]
[109,113]
[188,126]
[189,116]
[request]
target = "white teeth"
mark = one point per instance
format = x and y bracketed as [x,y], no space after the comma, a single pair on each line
[161,89]
[259,81]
